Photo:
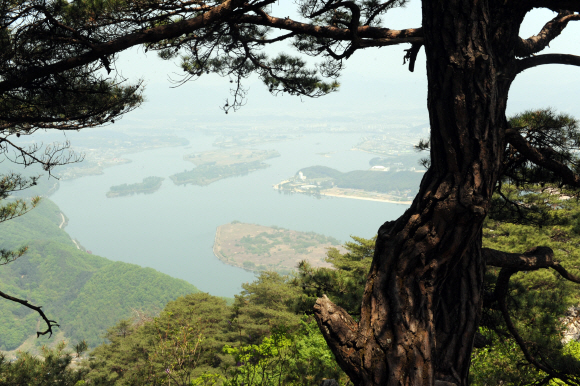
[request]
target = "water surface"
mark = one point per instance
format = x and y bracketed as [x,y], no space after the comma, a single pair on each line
[173,229]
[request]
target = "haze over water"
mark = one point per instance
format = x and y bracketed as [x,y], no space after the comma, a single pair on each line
[173,229]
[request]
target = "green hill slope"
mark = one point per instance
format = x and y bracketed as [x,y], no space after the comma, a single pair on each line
[85,293]
[372,181]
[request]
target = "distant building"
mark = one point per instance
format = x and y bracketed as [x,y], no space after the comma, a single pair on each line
[301,176]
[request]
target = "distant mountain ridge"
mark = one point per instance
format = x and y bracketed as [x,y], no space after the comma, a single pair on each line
[85,293]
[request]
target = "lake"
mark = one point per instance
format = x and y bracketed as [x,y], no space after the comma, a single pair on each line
[173,229]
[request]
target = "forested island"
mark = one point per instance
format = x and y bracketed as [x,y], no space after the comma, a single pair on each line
[259,248]
[148,185]
[380,184]
[215,165]
[206,174]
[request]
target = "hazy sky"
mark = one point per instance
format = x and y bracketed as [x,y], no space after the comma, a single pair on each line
[375,86]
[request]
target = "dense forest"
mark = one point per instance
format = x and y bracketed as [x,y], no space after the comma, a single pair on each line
[84,293]
[268,336]
[148,185]
[207,173]
[372,181]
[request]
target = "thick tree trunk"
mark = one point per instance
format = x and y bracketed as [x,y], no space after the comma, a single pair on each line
[422,299]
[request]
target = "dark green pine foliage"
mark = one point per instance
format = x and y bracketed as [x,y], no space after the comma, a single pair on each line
[262,306]
[539,303]
[52,369]
[344,284]
[556,135]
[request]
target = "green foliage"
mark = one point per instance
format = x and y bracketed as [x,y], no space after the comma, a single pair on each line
[52,369]
[263,242]
[85,293]
[207,173]
[149,185]
[527,193]
[538,302]
[534,205]
[199,340]
[344,284]
[182,343]
[40,224]
[263,306]
[283,358]
[368,180]
[543,129]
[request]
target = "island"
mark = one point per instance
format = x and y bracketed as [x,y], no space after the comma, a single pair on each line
[380,183]
[215,165]
[258,248]
[149,185]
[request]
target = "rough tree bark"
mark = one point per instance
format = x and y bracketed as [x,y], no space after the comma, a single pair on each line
[423,296]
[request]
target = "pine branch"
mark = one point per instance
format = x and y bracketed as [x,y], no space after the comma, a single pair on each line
[533,61]
[542,157]
[549,32]
[50,323]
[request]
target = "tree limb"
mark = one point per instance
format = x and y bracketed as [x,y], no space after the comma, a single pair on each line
[151,35]
[511,263]
[524,64]
[531,260]
[341,333]
[541,158]
[50,323]
[384,35]
[351,5]
[554,5]
[502,285]
[411,55]
[549,32]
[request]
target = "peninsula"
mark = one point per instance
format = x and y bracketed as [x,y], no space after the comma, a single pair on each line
[377,184]
[149,185]
[258,248]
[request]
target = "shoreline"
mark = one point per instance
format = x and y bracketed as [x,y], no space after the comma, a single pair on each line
[367,198]
[215,249]
[323,193]
[111,194]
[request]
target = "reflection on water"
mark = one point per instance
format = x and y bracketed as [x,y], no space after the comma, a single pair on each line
[173,229]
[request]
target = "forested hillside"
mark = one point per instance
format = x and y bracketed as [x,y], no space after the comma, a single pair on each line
[84,293]
[268,337]
[375,181]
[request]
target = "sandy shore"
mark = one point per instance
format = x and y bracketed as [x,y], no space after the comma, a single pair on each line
[343,195]
[366,198]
